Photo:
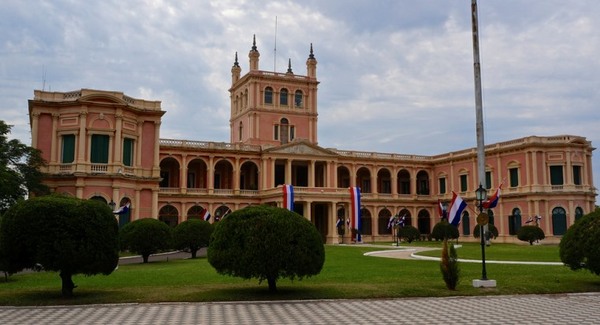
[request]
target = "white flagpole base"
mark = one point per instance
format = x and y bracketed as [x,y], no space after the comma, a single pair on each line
[477,283]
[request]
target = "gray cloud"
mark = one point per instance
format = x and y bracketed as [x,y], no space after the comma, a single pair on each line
[399,74]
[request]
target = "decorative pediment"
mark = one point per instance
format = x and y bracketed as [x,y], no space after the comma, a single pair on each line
[103,99]
[302,148]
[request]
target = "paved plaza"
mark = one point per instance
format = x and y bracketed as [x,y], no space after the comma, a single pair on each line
[521,309]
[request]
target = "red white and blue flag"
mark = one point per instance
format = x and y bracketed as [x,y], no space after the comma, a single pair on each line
[205,215]
[123,209]
[457,206]
[391,222]
[440,209]
[492,202]
[288,197]
[355,211]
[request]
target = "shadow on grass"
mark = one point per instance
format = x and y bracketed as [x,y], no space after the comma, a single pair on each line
[53,297]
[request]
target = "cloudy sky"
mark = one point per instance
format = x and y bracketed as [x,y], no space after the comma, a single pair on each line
[396,75]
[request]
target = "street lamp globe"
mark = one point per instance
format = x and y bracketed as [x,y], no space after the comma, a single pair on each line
[481,194]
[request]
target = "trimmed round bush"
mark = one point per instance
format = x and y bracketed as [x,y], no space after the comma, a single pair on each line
[579,247]
[191,235]
[530,234]
[63,234]
[444,230]
[266,243]
[409,233]
[145,237]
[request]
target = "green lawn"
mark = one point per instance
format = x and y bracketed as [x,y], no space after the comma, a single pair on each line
[500,252]
[347,274]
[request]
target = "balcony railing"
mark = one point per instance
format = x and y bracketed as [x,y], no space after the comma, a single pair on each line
[197,190]
[99,168]
[222,191]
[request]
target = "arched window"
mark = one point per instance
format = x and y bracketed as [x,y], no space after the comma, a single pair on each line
[514,221]
[100,199]
[169,215]
[283,130]
[382,222]
[403,182]
[559,221]
[195,212]
[578,213]
[365,222]
[424,222]
[404,213]
[241,130]
[283,97]
[221,212]
[422,183]
[466,223]
[298,98]
[268,95]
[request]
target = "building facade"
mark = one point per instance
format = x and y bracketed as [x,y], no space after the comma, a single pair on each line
[105,145]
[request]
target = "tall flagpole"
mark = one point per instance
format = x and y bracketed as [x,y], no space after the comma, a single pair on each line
[481,218]
[478,97]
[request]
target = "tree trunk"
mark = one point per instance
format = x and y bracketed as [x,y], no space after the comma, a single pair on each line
[272,284]
[67,284]
[145,257]
[194,250]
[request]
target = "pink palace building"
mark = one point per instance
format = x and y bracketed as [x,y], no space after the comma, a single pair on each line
[106,145]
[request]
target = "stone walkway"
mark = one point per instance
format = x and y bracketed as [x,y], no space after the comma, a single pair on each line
[488,310]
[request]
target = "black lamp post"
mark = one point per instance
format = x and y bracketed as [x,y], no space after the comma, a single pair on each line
[396,228]
[482,219]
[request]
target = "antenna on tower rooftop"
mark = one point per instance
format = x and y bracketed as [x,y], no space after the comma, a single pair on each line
[43,78]
[275,48]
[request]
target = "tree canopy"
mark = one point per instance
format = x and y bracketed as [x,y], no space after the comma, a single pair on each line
[63,234]
[444,230]
[530,234]
[145,237]
[192,235]
[19,170]
[578,248]
[266,243]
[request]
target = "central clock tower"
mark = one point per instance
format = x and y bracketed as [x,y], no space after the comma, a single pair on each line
[272,108]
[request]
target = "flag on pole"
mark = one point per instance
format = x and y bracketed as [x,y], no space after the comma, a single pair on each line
[123,209]
[457,205]
[339,222]
[288,197]
[391,221]
[205,215]
[355,211]
[440,209]
[492,201]
[402,221]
